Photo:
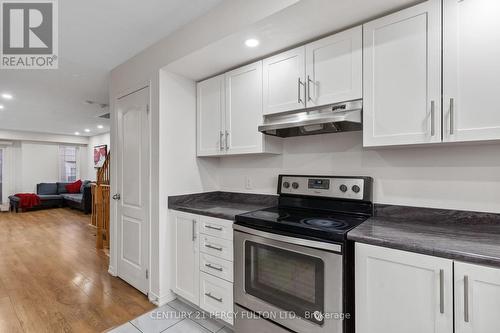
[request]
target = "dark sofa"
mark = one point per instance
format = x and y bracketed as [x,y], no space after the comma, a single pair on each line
[55,195]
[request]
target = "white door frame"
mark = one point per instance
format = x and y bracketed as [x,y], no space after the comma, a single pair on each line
[113,249]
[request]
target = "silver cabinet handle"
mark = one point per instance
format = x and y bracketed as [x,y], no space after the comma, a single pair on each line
[214,267]
[208,226]
[194,229]
[117,196]
[466,298]
[452,116]
[214,247]
[227,142]
[441,290]
[433,121]
[309,88]
[213,297]
[300,101]
[221,145]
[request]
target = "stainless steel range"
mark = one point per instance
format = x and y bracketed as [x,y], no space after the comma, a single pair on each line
[293,264]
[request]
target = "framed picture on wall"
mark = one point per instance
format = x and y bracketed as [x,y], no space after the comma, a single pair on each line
[100,153]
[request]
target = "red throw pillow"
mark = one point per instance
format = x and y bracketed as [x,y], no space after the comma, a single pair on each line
[74,187]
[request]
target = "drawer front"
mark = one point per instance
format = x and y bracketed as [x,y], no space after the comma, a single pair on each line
[216,266]
[217,227]
[218,247]
[216,296]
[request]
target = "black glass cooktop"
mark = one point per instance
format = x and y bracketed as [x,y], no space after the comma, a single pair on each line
[302,222]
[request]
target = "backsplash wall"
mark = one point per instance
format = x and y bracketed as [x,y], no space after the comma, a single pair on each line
[456,176]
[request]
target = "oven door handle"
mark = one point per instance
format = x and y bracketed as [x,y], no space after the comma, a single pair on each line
[292,240]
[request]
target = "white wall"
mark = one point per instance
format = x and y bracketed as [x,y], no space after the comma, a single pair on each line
[453,176]
[97,140]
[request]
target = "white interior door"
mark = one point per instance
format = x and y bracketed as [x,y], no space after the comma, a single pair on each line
[133,187]
[471,76]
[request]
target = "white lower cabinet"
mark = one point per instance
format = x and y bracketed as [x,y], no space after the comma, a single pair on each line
[477,299]
[203,262]
[398,292]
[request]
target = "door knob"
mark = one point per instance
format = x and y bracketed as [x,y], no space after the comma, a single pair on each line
[116,196]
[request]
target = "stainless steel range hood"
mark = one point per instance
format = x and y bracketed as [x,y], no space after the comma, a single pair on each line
[334,118]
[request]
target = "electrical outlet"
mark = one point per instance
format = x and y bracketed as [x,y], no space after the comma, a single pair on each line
[248,183]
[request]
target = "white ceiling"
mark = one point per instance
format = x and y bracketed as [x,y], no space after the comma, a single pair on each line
[95,36]
[306,20]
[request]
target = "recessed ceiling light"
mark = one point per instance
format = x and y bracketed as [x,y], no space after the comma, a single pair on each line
[2,107]
[77,133]
[252,42]
[86,130]
[7,96]
[100,126]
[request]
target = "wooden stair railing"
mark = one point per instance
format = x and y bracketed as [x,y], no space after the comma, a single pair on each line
[101,205]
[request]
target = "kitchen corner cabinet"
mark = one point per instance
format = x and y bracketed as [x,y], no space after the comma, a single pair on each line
[477,299]
[323,72]
[402,77]
[202,270]
[471,72]
[398,291]
[186,270]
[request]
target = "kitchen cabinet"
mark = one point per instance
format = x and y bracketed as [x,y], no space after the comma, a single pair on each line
[323,72]
[210,110]
[471,72]
[186,270]
[399,291]
[477,299]
[284,81]
[203,261]
[402,77]
[229,110]
[334,70]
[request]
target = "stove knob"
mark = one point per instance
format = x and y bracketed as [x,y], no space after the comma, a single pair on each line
[295,185]
[343,188]
[356,189]
[286,184]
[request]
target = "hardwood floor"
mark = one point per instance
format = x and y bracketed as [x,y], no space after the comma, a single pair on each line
[52,279]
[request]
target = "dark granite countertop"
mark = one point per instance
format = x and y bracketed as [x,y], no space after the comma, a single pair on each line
[460,235]
[224,205]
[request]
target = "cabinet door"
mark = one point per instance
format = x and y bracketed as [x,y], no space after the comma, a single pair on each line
[477,299]
[334,68]
[210,109]
[399,291]
[186,270]
[284,81]
[402,77]
[471,70]
[244,109]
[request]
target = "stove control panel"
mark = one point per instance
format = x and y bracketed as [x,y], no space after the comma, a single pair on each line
[331,187]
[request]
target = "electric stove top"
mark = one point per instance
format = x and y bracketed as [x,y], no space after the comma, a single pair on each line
[322,208]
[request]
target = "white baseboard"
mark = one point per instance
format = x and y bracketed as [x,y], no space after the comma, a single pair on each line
[112,271]
[161,300]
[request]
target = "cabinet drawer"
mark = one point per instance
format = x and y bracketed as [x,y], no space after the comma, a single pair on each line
[216,266]
[218,247]
[217,227]
[216,296]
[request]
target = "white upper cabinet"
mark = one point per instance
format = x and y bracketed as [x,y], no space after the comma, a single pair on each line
[471,70]
[402,77]
[334,68]
[400,292]
[244,109]
[210,110]
[284,81]
[477,299]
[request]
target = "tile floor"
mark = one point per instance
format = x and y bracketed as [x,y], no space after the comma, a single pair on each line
[174,317]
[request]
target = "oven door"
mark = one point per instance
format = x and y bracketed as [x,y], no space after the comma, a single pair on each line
[291,281]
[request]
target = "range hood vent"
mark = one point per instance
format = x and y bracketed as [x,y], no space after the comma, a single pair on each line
[342,117]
